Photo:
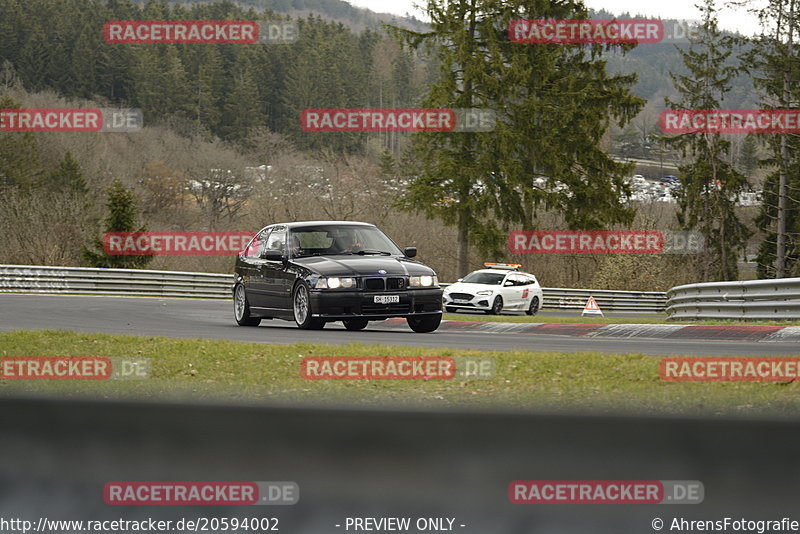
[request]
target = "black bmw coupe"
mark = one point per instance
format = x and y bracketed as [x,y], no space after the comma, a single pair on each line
[321,271]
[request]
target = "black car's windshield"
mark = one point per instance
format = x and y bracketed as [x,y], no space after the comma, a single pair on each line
[340,239]
[492,279]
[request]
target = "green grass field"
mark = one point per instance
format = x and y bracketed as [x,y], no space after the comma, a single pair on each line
[197,370]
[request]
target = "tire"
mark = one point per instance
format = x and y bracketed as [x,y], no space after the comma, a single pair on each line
[241,308]
[423,325]
[497,306]
[534,307]
[301,306]
[448,309]
[355,324]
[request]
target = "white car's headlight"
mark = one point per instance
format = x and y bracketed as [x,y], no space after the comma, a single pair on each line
[335,283]
[485,292]
[425,280]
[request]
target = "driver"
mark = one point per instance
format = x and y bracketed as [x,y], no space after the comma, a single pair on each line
[355,246]
[295,245]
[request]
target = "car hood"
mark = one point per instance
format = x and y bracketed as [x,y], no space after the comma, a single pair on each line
[363,266]
[461,287]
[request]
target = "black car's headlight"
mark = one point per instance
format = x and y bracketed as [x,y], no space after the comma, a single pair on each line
[335,282]
[425,280]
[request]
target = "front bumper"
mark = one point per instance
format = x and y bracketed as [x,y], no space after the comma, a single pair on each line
[477,302]
[337,305]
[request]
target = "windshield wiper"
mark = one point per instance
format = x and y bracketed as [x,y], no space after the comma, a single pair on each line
[381,252]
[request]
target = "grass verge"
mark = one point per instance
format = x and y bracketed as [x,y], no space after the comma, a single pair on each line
[187,370]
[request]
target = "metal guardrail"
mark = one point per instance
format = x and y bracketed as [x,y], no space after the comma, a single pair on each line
[625,301]
[777,299]
[138,282]
[134,282]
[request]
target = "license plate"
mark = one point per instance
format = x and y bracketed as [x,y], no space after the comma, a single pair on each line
[460,301]
[387,299]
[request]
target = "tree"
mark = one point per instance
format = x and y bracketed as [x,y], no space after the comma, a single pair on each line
[774,62]
[328,68]
[710,185]
[164,187]
[67,177]
[19,154]
[556,101]
[748,156]
[35,60]
[122,214]
[161,83]
[243,108]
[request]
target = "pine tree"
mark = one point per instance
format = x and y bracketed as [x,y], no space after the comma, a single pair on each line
[20,164]
[11,18]
[122,214]
[67,178]
[387,164]
[775,64]
[35,60]
[243,107]
[748,156]
[207,85]
[556,102]
[710,185]
[90,64]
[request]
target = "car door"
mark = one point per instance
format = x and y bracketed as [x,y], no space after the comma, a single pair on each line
[507,291]
[256,285]
[515,291]
[273,273]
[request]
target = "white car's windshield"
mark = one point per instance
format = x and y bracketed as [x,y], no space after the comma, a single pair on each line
[492,279]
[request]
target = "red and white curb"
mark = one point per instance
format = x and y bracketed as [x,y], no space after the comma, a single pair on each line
[648,331]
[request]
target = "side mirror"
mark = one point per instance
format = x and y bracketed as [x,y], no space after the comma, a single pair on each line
[460,279]
[272,255]
[410,252]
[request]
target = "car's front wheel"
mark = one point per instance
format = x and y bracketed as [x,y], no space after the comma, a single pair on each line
[497,305]
[355,324]
[241,308]
[423,325]
[301,304]
[534,307]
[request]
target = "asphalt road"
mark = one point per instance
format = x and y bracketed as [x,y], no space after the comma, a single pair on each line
[213,319]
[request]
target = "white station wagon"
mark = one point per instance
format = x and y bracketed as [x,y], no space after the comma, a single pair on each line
[498,288]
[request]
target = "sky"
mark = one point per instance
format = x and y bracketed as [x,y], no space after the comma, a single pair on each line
[734,20]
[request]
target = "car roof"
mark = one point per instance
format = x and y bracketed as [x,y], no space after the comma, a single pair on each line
[301,224]
[502,271]
[297,224]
